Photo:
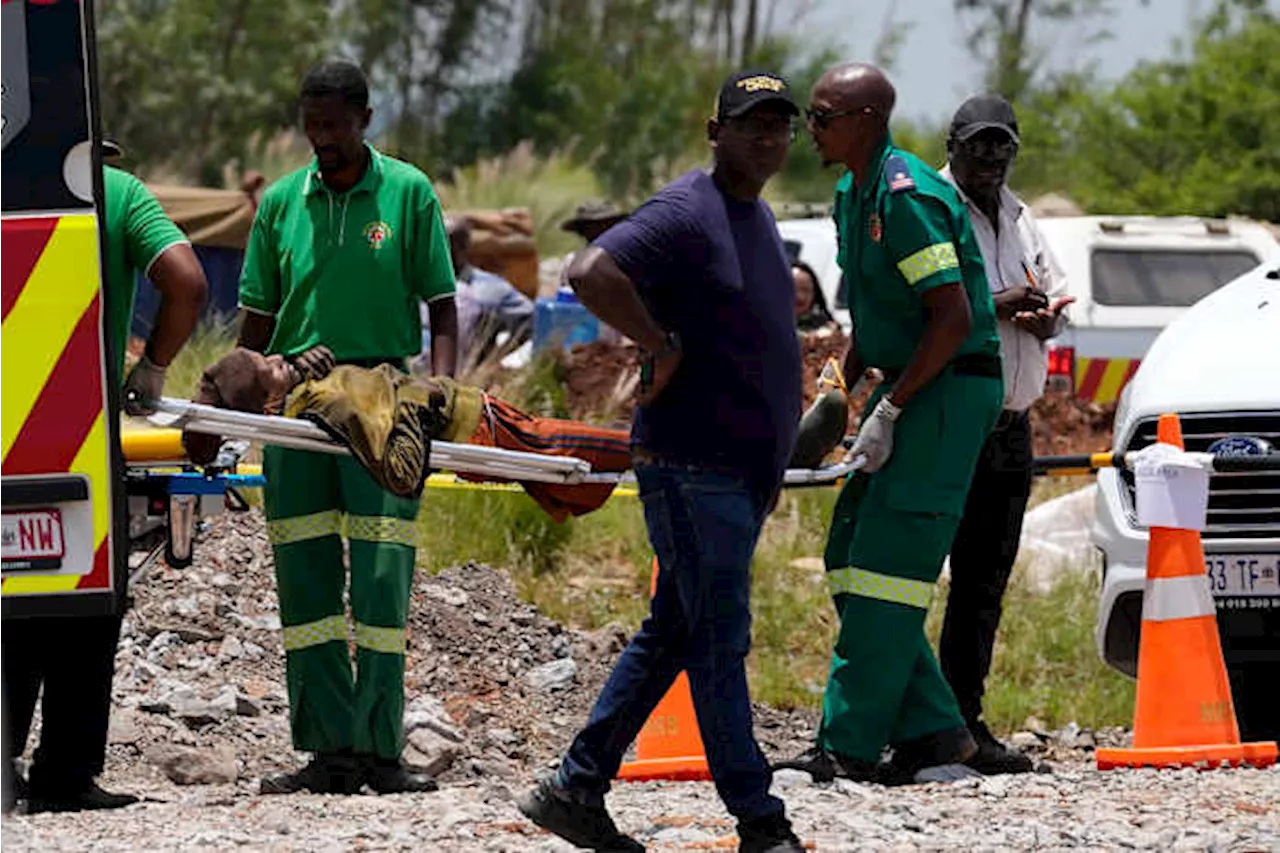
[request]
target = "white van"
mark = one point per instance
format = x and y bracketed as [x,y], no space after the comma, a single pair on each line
[1131,276]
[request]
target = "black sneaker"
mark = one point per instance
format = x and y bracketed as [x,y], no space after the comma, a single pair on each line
[326,773]
[824,766]
[393,776]
[92,798]
[577,818]
[770,834]
[993,757]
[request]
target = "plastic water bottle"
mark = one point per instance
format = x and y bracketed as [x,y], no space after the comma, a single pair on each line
[563,321]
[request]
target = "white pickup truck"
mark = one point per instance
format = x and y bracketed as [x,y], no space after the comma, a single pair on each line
[1218,367]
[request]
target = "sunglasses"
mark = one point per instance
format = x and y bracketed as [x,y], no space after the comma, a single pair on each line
[984,147]
[822,119]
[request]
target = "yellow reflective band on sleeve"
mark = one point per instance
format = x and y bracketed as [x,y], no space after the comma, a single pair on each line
[299,528]
[927,261]
[882,587]
[380,528]
[316,633]
[389,641]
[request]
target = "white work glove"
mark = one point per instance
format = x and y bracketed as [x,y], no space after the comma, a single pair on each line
[875,438]
[145,382]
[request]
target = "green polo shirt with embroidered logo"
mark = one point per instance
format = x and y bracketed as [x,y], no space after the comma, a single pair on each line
[348,270]
[902,232]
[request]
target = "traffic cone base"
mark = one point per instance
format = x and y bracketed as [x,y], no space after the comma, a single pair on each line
[1183,713]
[1209,757]
[670,745]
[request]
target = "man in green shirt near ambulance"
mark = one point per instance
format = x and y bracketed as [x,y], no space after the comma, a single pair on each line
[342,253]
[922,313]
[73,658]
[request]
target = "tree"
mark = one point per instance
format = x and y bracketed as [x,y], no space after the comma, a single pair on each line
[1199,135]
[187,84]
[999,34]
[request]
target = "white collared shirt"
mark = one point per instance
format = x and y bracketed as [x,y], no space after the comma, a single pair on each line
[1016,256]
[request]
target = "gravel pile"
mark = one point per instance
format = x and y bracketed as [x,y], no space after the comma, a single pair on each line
[495,690]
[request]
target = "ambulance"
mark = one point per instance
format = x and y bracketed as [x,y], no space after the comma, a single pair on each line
[65,546]
[1130,275]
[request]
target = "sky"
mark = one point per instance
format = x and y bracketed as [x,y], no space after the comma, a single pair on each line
[934,71]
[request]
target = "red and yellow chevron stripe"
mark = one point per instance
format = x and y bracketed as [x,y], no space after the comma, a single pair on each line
[1100,379]
[53,388]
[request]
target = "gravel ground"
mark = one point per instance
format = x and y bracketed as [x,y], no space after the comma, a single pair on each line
[495,690]
[1073,807]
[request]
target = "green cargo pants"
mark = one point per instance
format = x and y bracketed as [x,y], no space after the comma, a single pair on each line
[890,533]
[311,500]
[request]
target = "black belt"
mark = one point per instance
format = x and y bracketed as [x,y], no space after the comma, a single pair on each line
[971,364]
[371,363]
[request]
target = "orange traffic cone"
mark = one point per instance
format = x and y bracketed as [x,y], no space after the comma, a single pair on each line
[1183,714]
[670,745]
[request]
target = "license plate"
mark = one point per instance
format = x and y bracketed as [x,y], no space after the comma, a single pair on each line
[1243,574]
[32,539]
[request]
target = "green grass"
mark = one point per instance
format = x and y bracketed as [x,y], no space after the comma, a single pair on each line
[596,569]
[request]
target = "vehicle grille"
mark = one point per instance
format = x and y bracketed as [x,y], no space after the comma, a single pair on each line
[1241,505]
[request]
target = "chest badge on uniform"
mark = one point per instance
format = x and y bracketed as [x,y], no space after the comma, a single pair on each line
[874,228]
[377,233]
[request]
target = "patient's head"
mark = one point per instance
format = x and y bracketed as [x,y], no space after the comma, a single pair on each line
[245,381]
[242,380]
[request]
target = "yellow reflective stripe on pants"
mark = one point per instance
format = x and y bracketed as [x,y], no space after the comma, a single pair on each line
[380,528]
[388,640]
[299,528]
[315,633]
[882,587]
[929,260]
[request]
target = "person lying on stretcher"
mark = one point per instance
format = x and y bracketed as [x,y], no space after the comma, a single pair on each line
[388,421]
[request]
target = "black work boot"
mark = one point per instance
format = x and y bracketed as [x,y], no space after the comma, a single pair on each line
[326,773]
[770,834]
[91,798]
[993,757]
[576,817]
[936,757]
[392,776]
[824,766]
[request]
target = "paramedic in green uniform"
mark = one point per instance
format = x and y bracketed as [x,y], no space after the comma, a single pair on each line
[342,253]
[73,658]
[922,313]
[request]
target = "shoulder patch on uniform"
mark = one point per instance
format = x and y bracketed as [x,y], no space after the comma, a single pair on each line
[898,175]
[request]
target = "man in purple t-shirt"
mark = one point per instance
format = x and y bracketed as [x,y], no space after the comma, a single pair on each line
[698,277]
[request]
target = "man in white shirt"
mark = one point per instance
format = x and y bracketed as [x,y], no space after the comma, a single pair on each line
[1028,289]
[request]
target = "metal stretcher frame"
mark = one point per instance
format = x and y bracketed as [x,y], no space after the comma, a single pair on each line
[444,455]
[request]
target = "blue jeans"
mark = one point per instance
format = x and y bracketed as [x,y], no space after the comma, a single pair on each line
[703,526]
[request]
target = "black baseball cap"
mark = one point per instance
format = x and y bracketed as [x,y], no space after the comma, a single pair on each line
[746,90]
[981,112]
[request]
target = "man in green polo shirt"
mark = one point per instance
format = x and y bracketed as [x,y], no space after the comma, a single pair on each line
[922,313]
[76,703]
[342,253]
[142,238]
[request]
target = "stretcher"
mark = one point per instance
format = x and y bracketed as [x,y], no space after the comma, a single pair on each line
[443,455]
[169,496]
